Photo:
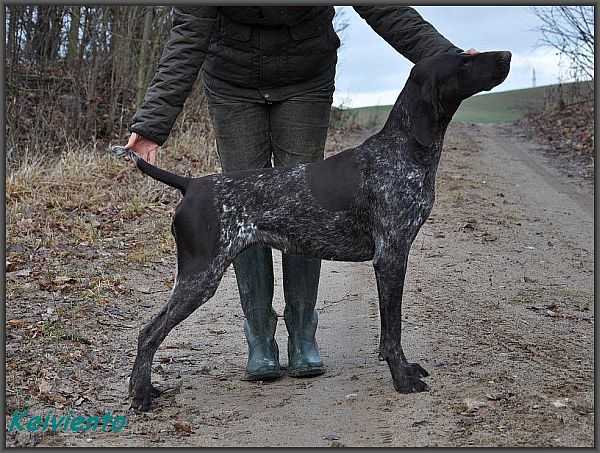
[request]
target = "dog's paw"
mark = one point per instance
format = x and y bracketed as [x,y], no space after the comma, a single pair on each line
[141,404]
[407,378]
[142,398]
[410,385]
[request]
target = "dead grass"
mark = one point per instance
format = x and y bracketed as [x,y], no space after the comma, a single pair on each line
[76,192]
[76,227]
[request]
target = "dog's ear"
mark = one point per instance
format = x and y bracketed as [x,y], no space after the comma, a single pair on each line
[426,115]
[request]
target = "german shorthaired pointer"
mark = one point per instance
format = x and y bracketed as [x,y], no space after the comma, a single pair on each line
[365,203]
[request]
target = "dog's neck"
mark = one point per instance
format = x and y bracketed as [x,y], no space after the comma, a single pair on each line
[402,119]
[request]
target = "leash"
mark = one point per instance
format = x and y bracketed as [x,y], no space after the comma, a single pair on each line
[168,178]
[123,151]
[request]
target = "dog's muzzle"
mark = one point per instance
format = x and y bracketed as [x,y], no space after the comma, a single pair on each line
[503,66]
[501,69]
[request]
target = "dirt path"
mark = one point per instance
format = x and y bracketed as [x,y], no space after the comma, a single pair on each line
[498,307]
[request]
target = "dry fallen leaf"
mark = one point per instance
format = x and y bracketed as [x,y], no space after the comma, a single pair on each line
[62,280]
[183,427]
[473,405]
[44,386]
[21,273]
[559,403]
[493,396]
[331,436]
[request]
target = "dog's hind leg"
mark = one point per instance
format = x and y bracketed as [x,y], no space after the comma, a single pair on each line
[390,267]
[191,290]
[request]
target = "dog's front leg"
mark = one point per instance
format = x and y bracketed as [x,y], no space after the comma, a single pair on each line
[390,267]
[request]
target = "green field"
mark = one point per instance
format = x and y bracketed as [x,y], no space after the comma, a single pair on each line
[498,107]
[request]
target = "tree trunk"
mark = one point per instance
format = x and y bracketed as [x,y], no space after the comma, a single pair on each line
[10,32]
[73,42]
[40,34]
[85,34]
[11,39]
[57,15]
[91,100]
[141,73]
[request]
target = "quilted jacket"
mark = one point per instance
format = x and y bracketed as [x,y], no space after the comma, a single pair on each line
[274,49]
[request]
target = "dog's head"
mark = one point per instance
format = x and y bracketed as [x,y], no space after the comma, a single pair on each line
[444,81]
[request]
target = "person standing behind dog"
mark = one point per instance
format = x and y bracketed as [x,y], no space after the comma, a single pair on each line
[268,74]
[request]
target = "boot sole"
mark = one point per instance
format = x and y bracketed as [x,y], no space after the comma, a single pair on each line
[306,372]
[267,376]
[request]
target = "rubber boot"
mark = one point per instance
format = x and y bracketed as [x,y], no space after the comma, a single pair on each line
[254,274]
[300,287]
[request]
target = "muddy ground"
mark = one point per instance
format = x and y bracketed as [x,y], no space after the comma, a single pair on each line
[498,308]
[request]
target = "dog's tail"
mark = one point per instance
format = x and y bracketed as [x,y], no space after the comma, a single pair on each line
[168,178]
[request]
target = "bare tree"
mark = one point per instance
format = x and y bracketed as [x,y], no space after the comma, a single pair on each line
[75,73]
[570,30]
[73,36]
[341,21]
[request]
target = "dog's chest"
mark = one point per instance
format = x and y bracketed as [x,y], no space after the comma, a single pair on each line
[403,194]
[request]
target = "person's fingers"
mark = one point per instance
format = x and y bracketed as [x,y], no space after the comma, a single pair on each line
[143,147]
[151,155]
[145,154]
[148,152]
[133,138]
[472,51]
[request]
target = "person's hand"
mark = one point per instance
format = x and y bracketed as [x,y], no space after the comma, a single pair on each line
[472,51]
[143,147]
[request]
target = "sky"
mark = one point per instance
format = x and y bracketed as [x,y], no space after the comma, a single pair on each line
[371,72]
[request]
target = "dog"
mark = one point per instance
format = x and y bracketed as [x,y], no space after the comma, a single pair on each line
[365,203]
